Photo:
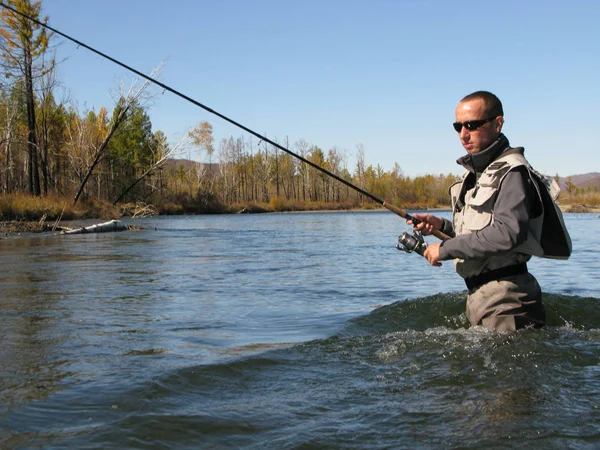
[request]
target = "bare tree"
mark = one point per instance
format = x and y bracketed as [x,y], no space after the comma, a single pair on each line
[263,168]
[302,148]
[126,99]
[9,119]
[334,160]
[360,167]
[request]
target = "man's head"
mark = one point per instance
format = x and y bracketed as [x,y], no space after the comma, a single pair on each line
[479,120]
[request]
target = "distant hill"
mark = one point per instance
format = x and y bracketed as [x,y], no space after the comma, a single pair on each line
[187,164]
[582,181]
[591,183]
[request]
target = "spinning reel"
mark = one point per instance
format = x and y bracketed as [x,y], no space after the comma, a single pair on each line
[411,243]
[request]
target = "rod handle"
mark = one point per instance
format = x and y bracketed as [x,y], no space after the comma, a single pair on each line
[438,234]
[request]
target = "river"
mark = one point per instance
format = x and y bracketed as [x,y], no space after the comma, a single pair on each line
[284,331]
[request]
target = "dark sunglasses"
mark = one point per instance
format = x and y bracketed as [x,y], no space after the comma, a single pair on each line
[471,125]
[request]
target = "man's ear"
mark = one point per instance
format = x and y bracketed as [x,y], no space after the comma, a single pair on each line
[499,123]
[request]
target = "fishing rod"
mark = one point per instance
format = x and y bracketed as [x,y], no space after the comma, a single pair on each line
[406,241]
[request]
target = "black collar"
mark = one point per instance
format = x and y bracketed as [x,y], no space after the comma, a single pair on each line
[478,162]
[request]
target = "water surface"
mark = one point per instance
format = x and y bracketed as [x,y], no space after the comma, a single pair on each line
[284,331]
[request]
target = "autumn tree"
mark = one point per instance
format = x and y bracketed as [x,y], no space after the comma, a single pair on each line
[23,44]
[202,138]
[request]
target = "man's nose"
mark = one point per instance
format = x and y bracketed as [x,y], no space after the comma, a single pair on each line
[463,132]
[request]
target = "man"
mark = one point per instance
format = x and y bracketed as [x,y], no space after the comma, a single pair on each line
[502,213]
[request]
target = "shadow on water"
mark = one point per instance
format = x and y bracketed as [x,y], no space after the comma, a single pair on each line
[407,375]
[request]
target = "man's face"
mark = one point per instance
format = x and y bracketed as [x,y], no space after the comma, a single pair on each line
[477,140]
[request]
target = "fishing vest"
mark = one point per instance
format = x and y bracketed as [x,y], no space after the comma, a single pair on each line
[547,235]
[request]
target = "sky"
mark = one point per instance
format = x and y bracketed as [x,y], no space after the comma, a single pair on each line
[386,74]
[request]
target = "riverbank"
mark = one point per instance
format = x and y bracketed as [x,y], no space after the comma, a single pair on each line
[24,214]
[27,214]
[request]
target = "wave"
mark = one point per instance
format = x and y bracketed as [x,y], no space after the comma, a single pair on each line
[435,321]
[413,362]
[447,310]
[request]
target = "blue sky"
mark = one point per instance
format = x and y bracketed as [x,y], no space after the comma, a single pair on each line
[386,74]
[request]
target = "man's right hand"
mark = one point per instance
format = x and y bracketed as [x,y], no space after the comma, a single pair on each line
[428,223]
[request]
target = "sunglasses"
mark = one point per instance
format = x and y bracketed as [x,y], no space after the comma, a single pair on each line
[471,125]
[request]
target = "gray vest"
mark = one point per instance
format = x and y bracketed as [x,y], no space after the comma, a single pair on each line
[547,235]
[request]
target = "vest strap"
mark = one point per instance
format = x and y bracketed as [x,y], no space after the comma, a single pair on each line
[475,282]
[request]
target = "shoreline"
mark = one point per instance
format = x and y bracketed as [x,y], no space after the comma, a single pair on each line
[10,228]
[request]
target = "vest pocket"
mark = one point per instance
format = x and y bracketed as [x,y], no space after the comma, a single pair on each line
[478,211]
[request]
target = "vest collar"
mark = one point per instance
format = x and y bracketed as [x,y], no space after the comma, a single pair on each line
[478,162]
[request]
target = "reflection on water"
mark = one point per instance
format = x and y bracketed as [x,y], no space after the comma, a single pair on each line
[283,330]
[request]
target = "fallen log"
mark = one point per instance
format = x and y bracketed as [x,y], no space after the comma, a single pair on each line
[113,225]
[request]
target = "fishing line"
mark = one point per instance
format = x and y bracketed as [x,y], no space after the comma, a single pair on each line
[392,208]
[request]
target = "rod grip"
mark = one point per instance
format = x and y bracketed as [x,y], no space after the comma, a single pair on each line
[438,234]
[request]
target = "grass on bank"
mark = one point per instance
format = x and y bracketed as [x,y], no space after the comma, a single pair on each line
[22,207]
[26,208]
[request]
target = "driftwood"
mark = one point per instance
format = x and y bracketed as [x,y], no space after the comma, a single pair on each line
[138,210]
[113,225]
[18,227]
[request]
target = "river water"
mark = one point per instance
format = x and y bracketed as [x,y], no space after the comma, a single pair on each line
[284,331]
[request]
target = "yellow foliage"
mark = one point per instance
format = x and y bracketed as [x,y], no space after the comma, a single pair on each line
[19,32]
[202,137]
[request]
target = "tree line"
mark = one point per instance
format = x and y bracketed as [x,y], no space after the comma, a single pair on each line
[49,147]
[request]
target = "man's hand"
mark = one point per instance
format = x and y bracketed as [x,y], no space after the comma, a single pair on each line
[428,223]
[432,254]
